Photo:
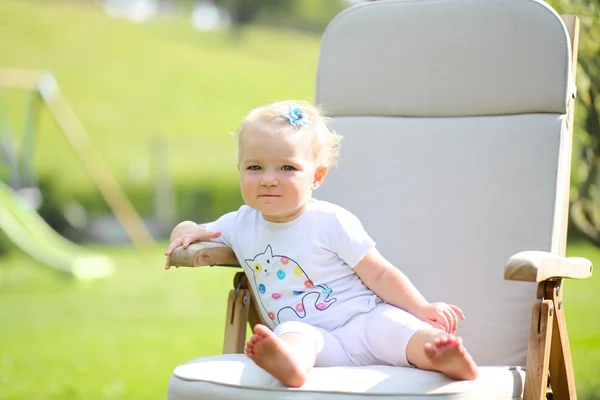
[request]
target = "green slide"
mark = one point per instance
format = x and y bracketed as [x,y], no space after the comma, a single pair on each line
[28,230]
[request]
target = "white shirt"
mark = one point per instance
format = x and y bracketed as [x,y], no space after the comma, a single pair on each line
[302,270]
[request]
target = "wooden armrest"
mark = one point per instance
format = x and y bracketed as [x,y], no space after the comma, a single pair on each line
[203,254]
[538,266]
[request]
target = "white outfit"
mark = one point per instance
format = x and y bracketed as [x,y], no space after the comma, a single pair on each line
[301,273]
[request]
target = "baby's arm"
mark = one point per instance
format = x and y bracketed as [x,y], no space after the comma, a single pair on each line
[352,244]
[186,233]
[389,283]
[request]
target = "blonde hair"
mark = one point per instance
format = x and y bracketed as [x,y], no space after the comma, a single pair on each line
[271,119]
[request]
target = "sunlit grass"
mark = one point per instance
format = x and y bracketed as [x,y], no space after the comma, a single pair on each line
[121,337]
[582,323]
[114,338]
[132,84]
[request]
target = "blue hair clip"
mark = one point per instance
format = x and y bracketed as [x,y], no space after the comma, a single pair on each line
[297,117]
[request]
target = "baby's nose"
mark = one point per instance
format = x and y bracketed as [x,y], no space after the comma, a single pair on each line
[268,180]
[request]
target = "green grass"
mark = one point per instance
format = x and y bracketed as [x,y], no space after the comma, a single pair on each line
[130,84]
[109,339]
[583,324]
[121,337]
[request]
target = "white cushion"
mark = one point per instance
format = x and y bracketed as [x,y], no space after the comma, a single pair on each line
[456,153]
[445,58]
[449,201]
[235,376]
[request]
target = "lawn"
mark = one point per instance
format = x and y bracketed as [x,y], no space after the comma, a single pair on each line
[111,339]
[583,324]
[121,337]
[135,85]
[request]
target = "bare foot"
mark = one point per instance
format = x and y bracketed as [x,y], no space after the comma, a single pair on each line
[449,356]
[270,353]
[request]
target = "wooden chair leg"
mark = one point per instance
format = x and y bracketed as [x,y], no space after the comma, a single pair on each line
[562,380]
[549,361]
[538,353]
[238,306]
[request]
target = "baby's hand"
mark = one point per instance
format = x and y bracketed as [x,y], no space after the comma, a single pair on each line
[441,315]
[198,234]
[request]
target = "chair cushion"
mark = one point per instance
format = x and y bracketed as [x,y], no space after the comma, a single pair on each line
[235,376]
[445,58]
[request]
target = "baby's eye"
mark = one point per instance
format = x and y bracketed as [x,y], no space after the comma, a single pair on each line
[288,168]
[254,168]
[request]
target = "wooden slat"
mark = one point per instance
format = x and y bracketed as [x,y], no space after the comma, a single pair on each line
[572,24]
[539,266]
[203,254]
[562,379]
[235,331]
[538,352]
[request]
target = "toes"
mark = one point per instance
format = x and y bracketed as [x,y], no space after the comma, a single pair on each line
[454,341]
[251,341]
[261,330]
[429,350]
[441,341]
[448,341]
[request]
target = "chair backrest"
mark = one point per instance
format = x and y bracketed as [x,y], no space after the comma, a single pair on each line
[457,147]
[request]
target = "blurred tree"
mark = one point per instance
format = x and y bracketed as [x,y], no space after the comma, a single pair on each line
[312,15]
[585,196]
[244,12]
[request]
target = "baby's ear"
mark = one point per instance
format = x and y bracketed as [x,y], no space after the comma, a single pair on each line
[320,174]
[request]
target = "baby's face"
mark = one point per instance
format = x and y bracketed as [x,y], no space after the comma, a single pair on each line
[277,175]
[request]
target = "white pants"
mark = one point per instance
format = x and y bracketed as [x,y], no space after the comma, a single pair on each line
[379,337]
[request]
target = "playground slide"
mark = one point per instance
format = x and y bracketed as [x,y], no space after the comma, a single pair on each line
[28,230]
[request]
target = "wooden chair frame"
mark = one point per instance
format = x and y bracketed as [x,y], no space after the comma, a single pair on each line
[549,364]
